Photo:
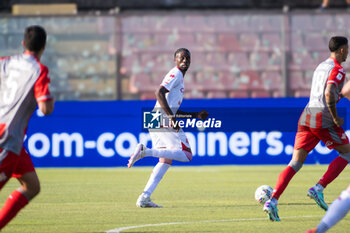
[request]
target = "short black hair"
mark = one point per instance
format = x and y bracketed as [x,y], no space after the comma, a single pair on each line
[34,38]
[336,42]
[181,50]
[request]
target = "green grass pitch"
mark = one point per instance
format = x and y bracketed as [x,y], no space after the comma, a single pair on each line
[195,199]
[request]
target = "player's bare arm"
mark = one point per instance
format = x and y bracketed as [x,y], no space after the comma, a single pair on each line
[46,107]
[331,99]
[160,94]
[202,115]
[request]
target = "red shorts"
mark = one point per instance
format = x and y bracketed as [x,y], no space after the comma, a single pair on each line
[307,138]
[15,166]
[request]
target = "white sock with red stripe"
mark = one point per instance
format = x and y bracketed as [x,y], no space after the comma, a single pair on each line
[157,174]
[178,155]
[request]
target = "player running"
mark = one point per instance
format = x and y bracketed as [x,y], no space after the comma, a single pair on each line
[24,85]
[169,143]
[319,121]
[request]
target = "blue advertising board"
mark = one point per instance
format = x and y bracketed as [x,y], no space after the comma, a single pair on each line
[104,134]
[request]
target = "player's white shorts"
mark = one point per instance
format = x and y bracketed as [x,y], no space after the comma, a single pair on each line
[168,138]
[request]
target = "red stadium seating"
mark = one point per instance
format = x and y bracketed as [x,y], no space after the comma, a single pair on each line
[260,94]
[238,94]
[141,83]
[272,80]
[216,95]
[249,41]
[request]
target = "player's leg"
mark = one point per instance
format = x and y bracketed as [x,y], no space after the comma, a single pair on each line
[19,198]
[337,211]
[179,149]
[337,165]
[304,142]
[337,140]
[158,172]
[270,207]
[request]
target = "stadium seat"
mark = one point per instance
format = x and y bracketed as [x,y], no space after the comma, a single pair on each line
[216,95]
[156,61]
[320,56]
[129,64]
[301,61]
[237,23]
[238,94]
[308,74]
[173,41]
[238,61]
[249,41]
[137,41]
[206,40]
[296,42]
[260,94]
[218,23]
[302,93]
[302,23]
[172,21]
[249,80]
[272,80]
[259,60]
[263,24]
[296,80]
[190,82]
[315,41]
[141,83]
[147,96]
[208,81]
[228,42]
[271,41]
[323,22]
[216,60]
[193,22]
[193,94]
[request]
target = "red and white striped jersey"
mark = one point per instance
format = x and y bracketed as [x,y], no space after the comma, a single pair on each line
[24,81]
[316,113]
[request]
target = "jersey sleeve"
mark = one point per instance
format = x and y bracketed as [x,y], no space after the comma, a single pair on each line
[41,86]
[336,77]
[169,82]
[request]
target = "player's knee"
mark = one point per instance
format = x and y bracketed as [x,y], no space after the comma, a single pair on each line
[31,189]
[296,165]
[345,156]
[167,161]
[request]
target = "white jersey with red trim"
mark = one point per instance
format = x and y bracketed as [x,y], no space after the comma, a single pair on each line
[316,113]
[174,83]
[24,81]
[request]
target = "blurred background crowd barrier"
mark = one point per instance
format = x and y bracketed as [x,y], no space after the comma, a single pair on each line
[235,54]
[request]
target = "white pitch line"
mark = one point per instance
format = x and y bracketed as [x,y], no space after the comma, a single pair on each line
[118,230]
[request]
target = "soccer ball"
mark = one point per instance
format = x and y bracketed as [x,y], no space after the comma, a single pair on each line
[263,194]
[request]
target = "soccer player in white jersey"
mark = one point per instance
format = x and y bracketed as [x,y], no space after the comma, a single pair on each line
[169,143]
[319,122]
[24,85]
[336,212]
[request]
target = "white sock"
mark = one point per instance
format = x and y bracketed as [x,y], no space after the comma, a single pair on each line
[336,211]
[157,174]
[177,155]
[318,187]
[274,201]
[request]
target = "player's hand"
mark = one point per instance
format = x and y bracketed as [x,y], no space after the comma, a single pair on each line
[339,121]
[202,115]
